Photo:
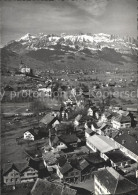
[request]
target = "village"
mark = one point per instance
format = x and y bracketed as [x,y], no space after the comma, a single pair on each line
[75,142]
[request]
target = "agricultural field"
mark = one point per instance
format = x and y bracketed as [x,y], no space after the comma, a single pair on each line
[12,129]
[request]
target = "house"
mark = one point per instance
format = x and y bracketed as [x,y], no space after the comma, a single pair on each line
[90,112]
[117,158]
[54,142]
[77,119]
[8,88]
[101,144]
[109,181]
[95,126]
[97,115]
[26,70]
[70,140]
[104,129]
[65,127]
[49,120]
[136,120]
[127,142]
[49,158]
[69,173]
[105,116]
[56,107]
[47,91]
[96,112]
[95,160]
[64,114]
[43,186]
[86,171]
[121,121]
[16,173]
[122,112]
[31,135]
[130,108]
[115,108]
[89,132]
[100,129]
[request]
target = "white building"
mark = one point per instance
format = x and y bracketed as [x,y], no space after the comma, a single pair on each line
[25,70]
[28,136]
[90,112]
[47,91]
[109,181]
[100,143]
[77,119]
[121,121]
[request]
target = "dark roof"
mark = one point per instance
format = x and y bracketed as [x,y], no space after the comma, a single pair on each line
[65,168]
[83,164]
[63,126]
[67,139]
[89,131]
[56,107]
[7,167]
[95,125]
[104,127]
[50,158]
[62,160]
[44,187]
[48,118]
[34,132]
[114,182]
[107,114]
[112,133]
[8,88]
[128,141]
[94,158]
[52,131]
[94,108]
[21,189]
[122,119]
[85,149]
[117,156]
[54,140]
[20,167]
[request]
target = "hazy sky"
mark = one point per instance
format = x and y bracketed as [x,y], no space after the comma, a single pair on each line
[94,16]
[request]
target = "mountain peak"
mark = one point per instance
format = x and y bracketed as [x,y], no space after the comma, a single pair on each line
[26,37]
[87,40]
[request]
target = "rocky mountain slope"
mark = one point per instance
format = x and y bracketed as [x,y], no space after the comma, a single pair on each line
[69,51]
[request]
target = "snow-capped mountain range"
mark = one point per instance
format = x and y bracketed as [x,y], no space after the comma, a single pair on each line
[78,42]
[66,51]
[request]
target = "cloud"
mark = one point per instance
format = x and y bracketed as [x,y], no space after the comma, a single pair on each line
[92,7]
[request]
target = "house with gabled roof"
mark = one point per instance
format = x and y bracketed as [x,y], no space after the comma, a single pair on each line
[109,181]
[105,116]
[77,120]
[46,187]
[118,158]
[70,174]
[70,140]
[121,121]
[127,142]
[31,134]
[49,120]
[95,160]
[89,132]
[85,169]
[16,173]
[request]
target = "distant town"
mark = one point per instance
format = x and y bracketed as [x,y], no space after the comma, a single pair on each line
[68,133]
